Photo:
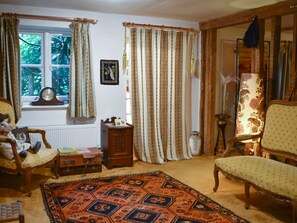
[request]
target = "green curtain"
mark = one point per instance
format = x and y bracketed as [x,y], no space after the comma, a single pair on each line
[10,61]
[81,97]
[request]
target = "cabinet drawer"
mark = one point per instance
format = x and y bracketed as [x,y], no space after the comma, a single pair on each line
[70,161]
[80,169]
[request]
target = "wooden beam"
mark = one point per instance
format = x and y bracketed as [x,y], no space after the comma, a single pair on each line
[210,94]
[293,79]
[260,49]
[275,47]
[202,86]
[278,9]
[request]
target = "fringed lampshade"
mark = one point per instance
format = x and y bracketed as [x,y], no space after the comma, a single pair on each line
[250,110]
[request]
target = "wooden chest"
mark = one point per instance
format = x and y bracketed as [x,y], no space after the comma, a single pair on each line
[87,160]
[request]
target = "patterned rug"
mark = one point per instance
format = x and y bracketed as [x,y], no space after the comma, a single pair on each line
[146,197]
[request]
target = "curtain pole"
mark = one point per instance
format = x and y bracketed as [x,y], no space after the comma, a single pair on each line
[52,18]
[130,24]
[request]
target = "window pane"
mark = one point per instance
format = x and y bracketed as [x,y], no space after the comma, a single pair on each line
[60,49]
[60,80]
[31,81]
[30,47]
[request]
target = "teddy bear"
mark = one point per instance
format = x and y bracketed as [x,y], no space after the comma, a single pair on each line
[6,130]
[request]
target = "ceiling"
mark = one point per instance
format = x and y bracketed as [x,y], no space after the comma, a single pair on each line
[191,10]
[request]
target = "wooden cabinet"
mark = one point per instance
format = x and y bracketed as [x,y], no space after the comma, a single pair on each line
[116,144]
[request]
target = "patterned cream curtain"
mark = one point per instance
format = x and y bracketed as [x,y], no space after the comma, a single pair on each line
[10,61]
[81,97]
[160,81]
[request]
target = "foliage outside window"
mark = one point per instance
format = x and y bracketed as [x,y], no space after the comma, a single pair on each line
[45,59]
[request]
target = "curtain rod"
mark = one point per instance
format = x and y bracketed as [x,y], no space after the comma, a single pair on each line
[52,18]
[131,24]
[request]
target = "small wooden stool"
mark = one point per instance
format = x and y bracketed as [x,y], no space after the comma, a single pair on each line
[12,211]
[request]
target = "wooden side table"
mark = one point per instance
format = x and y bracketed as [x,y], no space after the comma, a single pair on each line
[116,144]
[220,146]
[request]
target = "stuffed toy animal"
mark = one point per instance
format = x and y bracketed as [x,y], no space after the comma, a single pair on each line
[5,130]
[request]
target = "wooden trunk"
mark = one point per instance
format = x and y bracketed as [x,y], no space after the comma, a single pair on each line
[86,160]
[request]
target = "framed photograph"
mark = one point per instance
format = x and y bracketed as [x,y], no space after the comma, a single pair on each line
[120,121]
[109,72]
[123,121]
[117,122]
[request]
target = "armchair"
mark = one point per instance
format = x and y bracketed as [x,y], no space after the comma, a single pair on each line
[44,157]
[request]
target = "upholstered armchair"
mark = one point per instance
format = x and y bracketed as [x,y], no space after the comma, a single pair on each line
[43,158]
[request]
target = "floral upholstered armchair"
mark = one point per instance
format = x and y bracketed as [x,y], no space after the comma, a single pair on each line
[16,163]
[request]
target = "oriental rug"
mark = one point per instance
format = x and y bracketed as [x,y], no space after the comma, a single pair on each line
[144,198]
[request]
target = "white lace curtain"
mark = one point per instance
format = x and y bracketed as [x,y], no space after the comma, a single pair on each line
[160,68]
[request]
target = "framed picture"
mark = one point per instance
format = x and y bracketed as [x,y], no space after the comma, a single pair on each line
[120,122]
[109,72]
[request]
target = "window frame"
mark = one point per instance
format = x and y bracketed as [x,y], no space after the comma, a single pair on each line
[46,65]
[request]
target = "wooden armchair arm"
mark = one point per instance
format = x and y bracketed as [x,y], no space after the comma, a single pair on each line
[240,138]
[42,132]
[13,143]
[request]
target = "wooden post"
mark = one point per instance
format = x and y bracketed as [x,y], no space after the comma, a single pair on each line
[293,79]
[274,46]
[210,94]
[202,87]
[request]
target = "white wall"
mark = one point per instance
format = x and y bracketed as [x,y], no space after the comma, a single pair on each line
[107,39]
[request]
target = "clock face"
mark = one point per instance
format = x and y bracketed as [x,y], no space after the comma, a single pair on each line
[47,94]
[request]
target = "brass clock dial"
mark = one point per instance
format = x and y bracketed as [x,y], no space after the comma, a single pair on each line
[47,96]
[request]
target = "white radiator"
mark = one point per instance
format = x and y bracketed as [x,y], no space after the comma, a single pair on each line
[78,136]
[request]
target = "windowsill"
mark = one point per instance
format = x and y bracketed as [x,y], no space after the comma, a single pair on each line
[26,106]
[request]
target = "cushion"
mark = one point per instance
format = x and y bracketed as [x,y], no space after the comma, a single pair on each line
[280,131]
[271,175]
[6,150]
[43,156]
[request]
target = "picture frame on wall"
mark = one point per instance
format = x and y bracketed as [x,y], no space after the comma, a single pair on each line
[109,72]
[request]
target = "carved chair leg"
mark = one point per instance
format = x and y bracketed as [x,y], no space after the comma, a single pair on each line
[216,177]
[56,168]
[22,218]
[28,174]
[247,195]
[294,204]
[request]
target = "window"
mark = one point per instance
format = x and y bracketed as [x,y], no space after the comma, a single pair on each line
[45,59]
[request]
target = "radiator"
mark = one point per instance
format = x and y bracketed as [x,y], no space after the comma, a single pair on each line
[78,136]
